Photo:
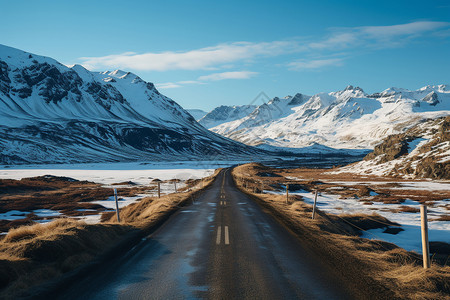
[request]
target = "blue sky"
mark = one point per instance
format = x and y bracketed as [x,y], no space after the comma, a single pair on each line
[204,53]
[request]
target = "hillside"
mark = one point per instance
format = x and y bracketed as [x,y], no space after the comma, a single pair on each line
[50,113]
[423,151]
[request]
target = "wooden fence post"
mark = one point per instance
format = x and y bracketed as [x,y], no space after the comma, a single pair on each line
[287,193]
[117,205]
[314,206]
[425,245]
[159,189]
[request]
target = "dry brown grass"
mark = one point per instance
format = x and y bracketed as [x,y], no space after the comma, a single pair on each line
[368,265]
[31,255]
[443,218]
[149,209]
[42,230]
[408,209]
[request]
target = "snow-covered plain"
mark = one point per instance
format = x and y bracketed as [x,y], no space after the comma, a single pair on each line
[410,238]
[109,173]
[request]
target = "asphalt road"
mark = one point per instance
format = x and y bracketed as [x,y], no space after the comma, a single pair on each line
[222,247]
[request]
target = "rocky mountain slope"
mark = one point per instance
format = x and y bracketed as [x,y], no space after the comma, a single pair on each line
[50,113]
[224,114]
[423,151]
[349,118]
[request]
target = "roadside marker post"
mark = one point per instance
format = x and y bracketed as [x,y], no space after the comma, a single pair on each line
[424,229]
[117,205]
[287,193]
[314,206]
[175,184]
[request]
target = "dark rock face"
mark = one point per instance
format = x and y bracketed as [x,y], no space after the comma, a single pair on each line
[352,88]
[4,78]
[429,168]
[431,98]
[297,100]
[103,93]
[52,84]
[392,147]
[220,113]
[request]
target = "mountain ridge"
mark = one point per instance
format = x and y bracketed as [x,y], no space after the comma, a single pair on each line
[50,113]
[349,118]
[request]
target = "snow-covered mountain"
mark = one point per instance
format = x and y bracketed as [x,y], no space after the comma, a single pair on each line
[50,113]
[197,113]
[224,114]
[345,119]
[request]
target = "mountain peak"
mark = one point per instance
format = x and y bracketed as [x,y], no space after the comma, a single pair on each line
[297,99]
[353,88]
[118,73]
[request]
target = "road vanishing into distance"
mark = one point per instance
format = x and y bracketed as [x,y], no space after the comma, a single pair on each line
[224,246]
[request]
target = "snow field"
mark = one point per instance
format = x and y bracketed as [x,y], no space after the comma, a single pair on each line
[410,238]
[108,174]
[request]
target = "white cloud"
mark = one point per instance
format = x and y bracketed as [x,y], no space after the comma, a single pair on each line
[190,82]
[228,75]
[372,37]
[210,77]
[315,64]
[221,57]
[167,85]
[409,29]
[336,40]
[200,59]
[377,36]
